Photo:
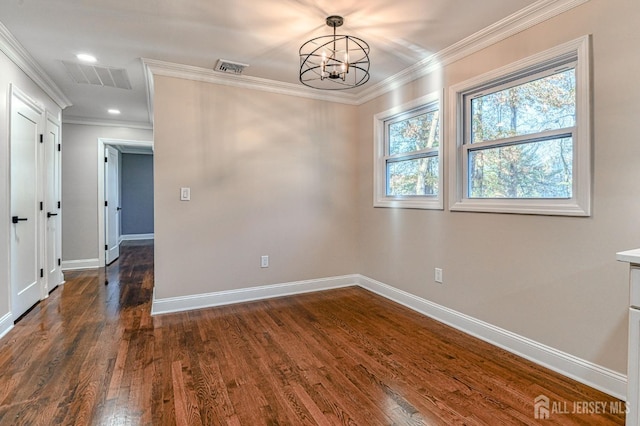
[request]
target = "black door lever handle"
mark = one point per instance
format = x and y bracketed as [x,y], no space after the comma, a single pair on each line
[49,214]
[16,219]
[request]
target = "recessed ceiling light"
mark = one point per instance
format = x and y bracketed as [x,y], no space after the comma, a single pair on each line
[113,111]
[86,58]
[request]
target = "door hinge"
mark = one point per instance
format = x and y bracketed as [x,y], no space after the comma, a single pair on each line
[105,160]
[59,204]
[41,138]
[106,203]
[41,206]
[59,147]
[106,247]
[41,273]
[59,262]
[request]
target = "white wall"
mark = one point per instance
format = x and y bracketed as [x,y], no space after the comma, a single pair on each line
[11,74]
[269,174]
[80,186]
[554,280]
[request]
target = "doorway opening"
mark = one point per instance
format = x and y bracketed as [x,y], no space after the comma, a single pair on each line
[110,182]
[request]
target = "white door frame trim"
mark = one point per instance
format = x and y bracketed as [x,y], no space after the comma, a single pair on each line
[101,143]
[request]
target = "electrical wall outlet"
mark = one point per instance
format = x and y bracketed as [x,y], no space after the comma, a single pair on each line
[264,261]
[438,275]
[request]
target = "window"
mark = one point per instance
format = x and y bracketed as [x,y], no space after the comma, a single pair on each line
[523,136]
[408,164]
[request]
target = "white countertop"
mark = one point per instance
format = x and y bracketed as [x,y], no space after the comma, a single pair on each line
[631,256]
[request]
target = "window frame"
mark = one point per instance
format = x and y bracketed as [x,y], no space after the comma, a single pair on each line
[575,54]
[381,121]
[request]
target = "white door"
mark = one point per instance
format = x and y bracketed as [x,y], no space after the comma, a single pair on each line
[53,240]
[25,270]
[112,204]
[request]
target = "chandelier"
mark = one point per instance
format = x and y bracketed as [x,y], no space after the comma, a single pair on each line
[334,62]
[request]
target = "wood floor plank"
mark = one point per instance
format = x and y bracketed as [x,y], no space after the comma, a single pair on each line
[92,354]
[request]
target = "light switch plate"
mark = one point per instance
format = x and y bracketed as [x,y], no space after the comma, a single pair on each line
[185,194]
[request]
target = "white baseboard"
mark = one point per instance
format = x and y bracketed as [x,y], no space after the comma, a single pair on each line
[198,301]
[596,376]
[72,265]
[6,324]
[133,237]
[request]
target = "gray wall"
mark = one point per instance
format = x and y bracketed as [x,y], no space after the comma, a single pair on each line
[136,194]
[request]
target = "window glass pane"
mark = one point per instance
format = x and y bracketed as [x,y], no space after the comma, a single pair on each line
[414,134]
[413,177]
[542,169]
[547,103]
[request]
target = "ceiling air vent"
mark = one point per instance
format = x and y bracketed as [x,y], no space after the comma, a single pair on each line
[230,67]
[98,75]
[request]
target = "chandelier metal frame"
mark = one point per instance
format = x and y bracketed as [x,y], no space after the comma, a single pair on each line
[334,62]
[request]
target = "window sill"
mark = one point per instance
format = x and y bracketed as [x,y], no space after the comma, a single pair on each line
[535,207]
[409,203]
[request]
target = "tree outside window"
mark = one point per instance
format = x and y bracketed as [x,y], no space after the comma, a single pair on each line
[408,164]
[521,135]
[418,135]
[526,166]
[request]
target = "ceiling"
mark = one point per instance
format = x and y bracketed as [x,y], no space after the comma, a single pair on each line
[264,34]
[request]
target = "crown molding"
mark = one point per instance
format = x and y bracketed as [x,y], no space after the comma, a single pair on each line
[538,12]
[527,17]
[169,69]
[148,82]
[106,123]
[19,56]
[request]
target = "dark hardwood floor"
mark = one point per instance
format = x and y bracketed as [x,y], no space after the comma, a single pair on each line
[92,355]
